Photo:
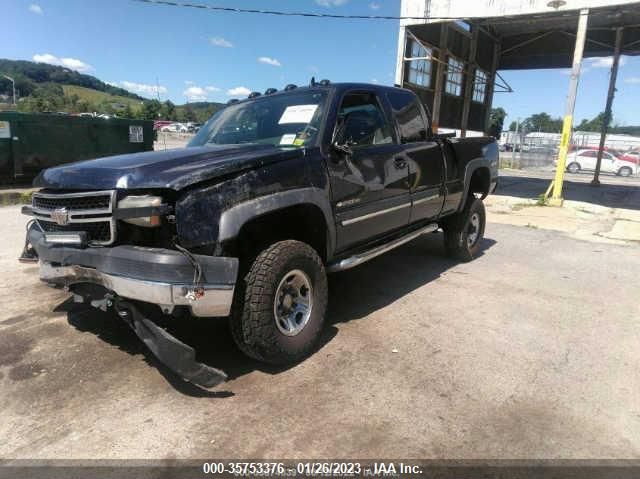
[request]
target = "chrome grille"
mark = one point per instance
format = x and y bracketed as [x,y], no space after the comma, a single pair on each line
[89,211]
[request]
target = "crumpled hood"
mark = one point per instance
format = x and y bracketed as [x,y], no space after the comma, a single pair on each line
[173,169]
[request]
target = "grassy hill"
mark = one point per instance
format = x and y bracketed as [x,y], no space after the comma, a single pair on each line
[99,97]
[48,88]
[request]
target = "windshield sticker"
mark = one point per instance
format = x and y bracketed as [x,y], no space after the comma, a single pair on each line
[288,139]
[298,114]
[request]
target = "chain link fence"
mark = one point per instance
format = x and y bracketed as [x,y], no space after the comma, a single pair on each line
[621,155]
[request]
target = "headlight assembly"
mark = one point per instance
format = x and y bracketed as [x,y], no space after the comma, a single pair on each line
[142,201]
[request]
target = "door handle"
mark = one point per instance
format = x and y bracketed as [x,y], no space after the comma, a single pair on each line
[400,163]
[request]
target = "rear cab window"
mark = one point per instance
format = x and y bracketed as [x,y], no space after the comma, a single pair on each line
[412,124]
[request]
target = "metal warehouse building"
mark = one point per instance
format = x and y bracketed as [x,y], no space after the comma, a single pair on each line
[452,60]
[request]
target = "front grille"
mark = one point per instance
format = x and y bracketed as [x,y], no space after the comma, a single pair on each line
[101,202]
[99,231]
[90,212]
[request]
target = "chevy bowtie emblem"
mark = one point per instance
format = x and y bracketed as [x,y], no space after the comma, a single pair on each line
[60,216]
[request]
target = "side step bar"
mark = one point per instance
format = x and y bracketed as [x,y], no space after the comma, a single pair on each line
[358,259]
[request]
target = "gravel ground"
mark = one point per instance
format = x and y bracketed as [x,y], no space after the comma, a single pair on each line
[530,351]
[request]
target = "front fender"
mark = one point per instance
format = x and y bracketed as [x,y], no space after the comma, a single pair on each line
[233,219]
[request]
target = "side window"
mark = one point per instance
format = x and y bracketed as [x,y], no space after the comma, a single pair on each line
[364,121]
[407,113]
[588,154]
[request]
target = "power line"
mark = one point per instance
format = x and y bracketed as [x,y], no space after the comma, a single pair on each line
[217,8]
[504,19]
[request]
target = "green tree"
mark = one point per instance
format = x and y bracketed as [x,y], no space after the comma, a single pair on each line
[150,110]
[595,124]
[127,112]
[496,122]
[542,122]
[168,111]
[513,125]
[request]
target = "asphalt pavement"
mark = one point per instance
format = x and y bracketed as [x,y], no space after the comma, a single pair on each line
[529,351]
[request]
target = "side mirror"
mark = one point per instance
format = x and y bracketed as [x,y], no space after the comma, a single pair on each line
[338,142]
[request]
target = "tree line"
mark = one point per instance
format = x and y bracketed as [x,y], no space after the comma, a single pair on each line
[543,122]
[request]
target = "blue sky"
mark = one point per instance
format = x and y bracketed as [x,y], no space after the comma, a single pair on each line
[199,55]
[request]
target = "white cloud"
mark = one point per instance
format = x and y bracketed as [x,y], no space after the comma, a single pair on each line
[331,3]
[270,61]
[113,83]
[374,6]
[604,62]
[212,88]
[238,91]
[143,88]
[374,80]
[72,63]
[189,82]
[632,80]
[221,42]
[195,93]
[35,8]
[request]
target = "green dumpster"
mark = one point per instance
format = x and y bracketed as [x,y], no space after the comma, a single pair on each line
[30,143]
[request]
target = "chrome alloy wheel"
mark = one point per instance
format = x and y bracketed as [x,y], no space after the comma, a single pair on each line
[473,232]
[293,302]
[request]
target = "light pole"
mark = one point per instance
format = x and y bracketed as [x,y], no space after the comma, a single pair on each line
[13,84]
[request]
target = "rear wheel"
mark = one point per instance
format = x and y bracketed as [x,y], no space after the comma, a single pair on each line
[464,231]
[625,171]
[281,304]
[574,167]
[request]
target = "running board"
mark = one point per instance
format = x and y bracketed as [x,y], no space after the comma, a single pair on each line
[358,259]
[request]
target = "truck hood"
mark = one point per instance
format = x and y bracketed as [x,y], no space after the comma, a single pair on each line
[173,169]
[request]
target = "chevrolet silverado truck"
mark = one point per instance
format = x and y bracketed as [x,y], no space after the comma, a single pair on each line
[273,193]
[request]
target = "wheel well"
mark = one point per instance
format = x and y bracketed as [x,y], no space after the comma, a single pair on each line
[480,182]
[304,223]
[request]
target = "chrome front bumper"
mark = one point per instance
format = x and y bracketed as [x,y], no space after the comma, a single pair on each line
[216,300]
[152,275]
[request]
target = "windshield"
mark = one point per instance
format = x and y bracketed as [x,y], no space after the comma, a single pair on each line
[290,120]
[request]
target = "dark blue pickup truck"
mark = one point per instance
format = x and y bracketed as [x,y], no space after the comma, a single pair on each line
[273,193]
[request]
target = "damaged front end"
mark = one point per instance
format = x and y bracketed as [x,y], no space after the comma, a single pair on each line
[86,260]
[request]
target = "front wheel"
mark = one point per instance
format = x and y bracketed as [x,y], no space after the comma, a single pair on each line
[574,167]
[625,171]
[281,304]
[463,232]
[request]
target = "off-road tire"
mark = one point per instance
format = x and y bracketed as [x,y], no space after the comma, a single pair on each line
[457,230]
[253,324]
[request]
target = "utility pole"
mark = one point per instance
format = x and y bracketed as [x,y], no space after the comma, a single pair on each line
[13,84]
[607,110]
[567,124]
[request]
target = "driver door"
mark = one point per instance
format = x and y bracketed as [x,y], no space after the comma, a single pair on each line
[370,183]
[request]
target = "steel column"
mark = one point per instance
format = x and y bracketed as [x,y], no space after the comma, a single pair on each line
[607,110]
[491,86]
[441,70]
[567,125]
[469,84]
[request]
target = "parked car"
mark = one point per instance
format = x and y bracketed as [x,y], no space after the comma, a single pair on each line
[158,124]
[586,160]
[272,194]
[175,128]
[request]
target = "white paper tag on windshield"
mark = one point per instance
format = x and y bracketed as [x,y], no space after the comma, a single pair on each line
[288,139]
[298,114]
